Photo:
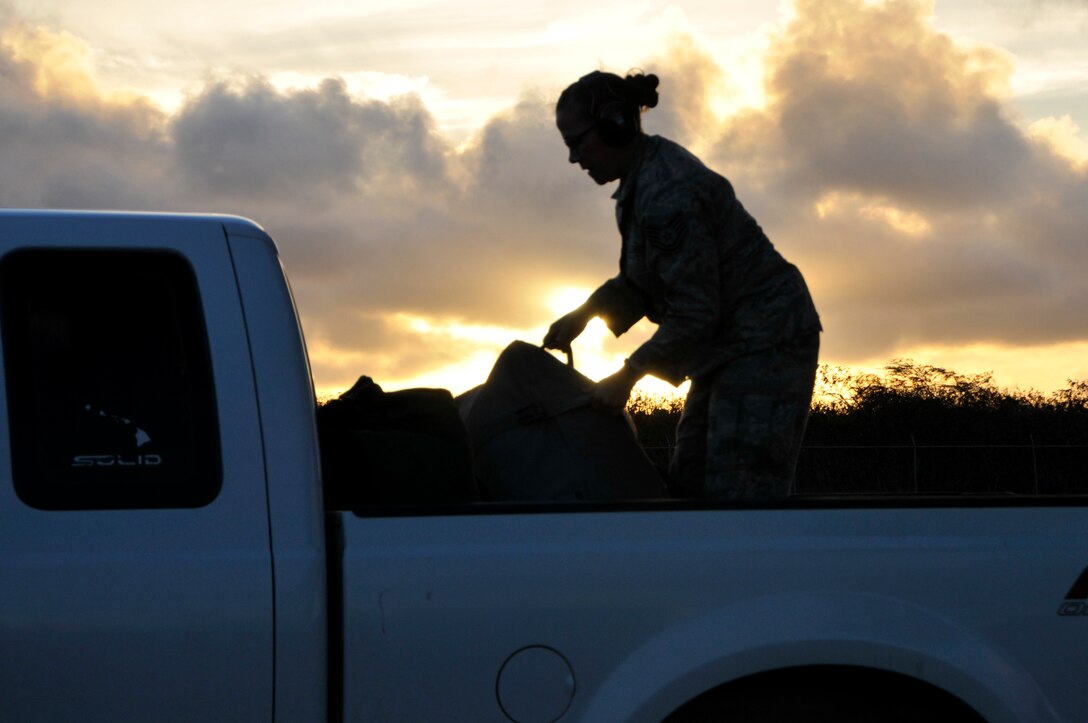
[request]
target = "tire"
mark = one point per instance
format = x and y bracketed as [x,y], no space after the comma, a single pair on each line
[826,694]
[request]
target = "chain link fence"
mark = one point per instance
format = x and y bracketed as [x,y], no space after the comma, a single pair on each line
[934,469]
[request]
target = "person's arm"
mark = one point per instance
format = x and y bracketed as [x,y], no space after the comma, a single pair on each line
[612,393]
[569,327]
[615,301]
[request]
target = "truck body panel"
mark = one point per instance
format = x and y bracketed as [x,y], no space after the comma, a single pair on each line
[652,608]
[281,374]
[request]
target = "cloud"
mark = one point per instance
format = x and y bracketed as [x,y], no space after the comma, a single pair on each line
[887,161]
[377,216]
[690,81]
[889,164]
[1031,11]
[869,97]
[254,139]
[539,205]
[65,144]
[1061,136]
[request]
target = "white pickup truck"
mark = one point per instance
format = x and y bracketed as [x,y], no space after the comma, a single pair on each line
[166,553]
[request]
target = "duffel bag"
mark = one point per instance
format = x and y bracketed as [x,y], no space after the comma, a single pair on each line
[535,437]
[402,447]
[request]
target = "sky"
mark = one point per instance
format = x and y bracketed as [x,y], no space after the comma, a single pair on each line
[925,164]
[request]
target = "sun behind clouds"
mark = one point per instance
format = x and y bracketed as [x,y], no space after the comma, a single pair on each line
[935,212]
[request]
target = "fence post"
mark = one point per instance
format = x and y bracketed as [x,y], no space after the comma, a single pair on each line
[914,459]
[1034,463]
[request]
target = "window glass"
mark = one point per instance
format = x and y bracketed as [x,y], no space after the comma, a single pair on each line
[110,395]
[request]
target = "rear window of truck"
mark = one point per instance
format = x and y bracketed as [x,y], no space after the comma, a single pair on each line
[110,396]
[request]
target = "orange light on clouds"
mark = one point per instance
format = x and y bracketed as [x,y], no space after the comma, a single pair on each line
[739,87]
[477,346]
[907,223]
[62,65]
[1062,136]
[1044,368]
[566,298]
[61,61]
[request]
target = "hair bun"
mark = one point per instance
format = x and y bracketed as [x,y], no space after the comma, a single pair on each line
[643,88]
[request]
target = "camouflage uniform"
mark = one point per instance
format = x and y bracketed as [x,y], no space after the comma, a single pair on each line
[733,316]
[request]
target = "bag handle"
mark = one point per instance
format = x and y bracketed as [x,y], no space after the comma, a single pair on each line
[570,356]
[532,413]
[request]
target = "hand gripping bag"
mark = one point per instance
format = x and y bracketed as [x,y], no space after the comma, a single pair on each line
[534,436]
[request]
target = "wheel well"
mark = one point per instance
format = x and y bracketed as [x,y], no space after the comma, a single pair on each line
[825,694]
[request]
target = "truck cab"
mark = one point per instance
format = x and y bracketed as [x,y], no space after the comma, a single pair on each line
[138,554]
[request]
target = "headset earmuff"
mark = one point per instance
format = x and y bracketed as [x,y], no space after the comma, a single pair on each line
[615,125]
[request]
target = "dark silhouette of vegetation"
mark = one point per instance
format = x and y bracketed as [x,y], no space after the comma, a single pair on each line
[920,429]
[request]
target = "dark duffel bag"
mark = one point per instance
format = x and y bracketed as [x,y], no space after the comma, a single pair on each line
[534,436]
[403,447]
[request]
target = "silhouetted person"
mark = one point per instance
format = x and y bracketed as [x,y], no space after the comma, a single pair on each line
[733,316]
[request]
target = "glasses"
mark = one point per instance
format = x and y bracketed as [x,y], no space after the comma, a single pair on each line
[575,142]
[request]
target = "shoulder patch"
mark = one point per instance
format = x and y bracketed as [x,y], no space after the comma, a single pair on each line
[668,236]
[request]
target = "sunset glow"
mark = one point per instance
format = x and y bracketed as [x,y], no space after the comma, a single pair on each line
[925,164]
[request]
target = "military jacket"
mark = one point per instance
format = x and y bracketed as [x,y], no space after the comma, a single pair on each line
[696,263]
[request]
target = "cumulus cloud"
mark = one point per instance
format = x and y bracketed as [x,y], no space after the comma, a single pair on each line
[1031,10]
[377,216]
[64,144]
[254,139]
[886,162]
[690,81]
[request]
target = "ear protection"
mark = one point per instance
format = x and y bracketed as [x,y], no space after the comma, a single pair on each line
[616,125]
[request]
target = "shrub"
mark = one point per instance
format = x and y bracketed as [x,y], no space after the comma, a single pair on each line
[918,428]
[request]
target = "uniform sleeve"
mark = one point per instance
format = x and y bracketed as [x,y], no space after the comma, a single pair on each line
[619,304]
[685,248]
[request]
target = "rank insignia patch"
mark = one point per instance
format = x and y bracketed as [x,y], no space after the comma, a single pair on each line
[666,237]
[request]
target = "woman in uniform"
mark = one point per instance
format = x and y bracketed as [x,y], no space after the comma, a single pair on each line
[733,316]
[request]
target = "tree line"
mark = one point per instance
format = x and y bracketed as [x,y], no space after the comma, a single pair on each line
[922,429]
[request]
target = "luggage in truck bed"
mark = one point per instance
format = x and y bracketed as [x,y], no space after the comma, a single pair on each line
[403,448]
[534,436]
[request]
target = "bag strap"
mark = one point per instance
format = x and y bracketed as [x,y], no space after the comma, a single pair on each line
[530,414]
[533,413]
